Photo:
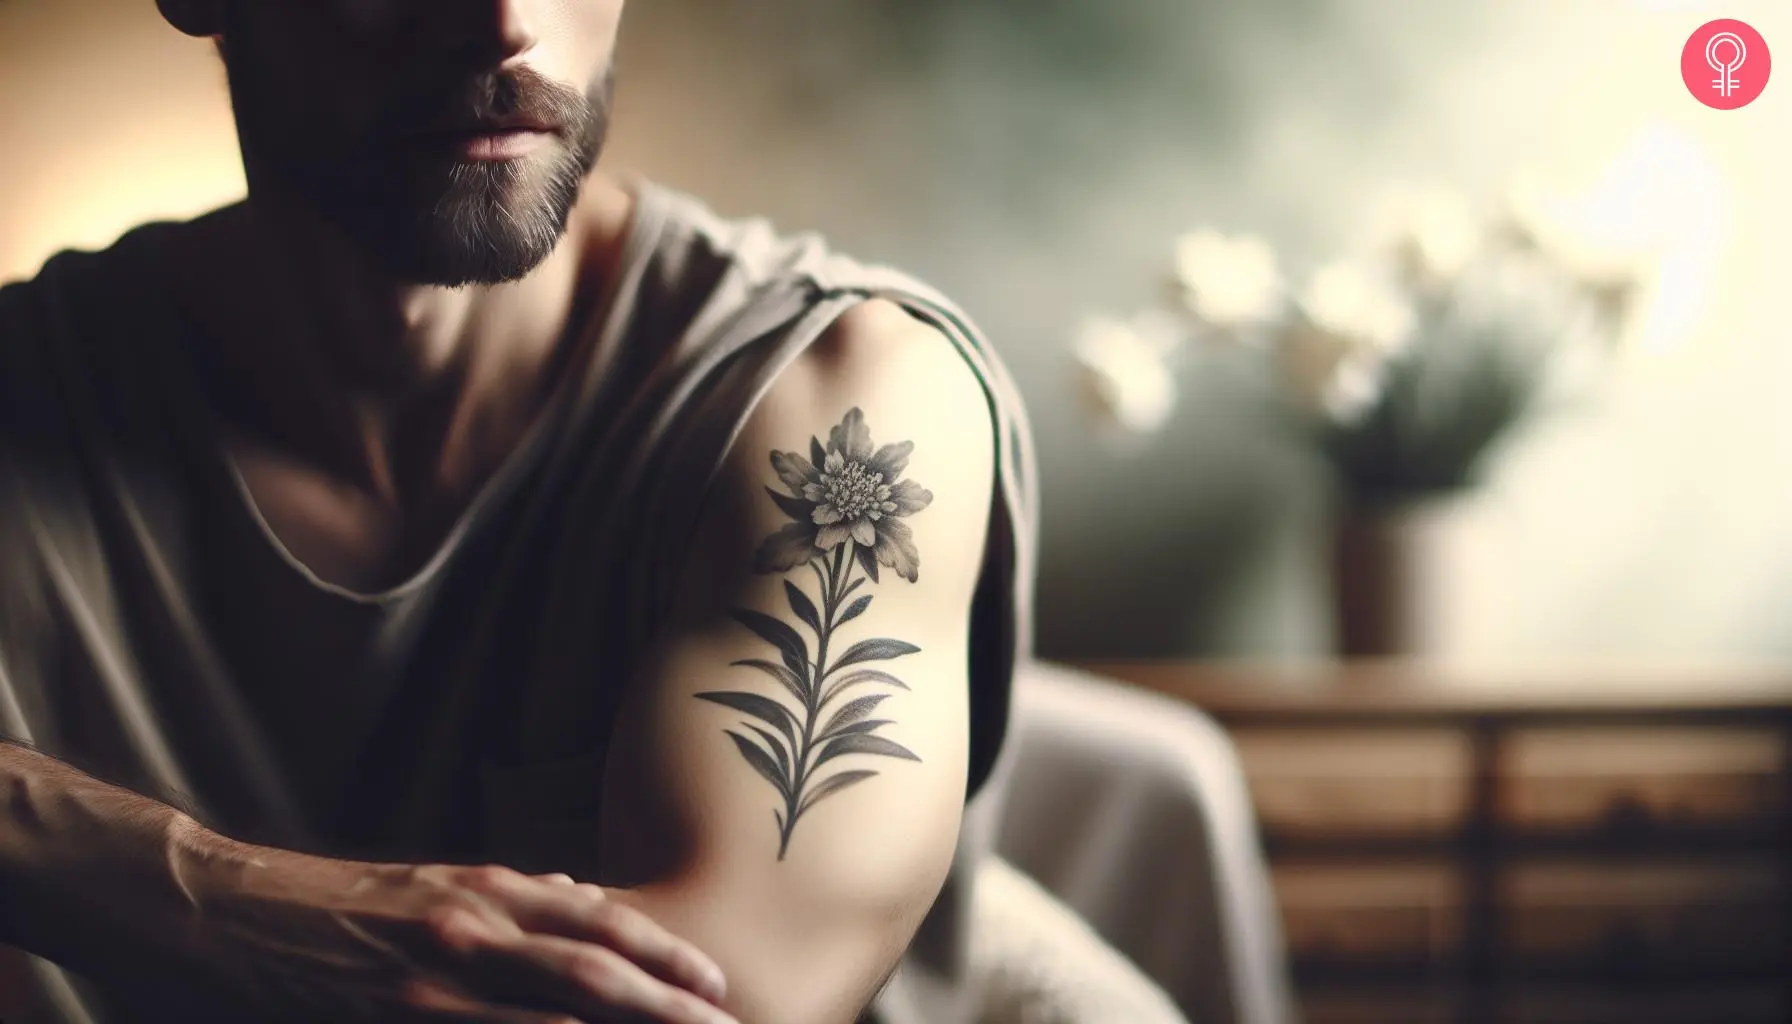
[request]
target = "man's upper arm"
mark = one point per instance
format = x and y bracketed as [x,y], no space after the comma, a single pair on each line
[788,776]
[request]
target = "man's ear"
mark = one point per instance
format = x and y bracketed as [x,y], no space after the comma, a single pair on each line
[200,18]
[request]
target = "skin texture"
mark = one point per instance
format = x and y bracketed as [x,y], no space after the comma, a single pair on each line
[385,321]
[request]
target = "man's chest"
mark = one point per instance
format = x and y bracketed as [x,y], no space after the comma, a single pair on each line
[344,534]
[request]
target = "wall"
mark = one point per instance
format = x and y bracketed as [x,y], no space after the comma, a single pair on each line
[1037,157]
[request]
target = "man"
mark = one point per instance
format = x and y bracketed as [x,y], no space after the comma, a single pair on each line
[458,584]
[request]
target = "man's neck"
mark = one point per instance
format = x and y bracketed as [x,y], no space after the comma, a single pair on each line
[410,394]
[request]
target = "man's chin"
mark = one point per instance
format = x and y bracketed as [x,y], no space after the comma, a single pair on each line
[456,255]
[481,229]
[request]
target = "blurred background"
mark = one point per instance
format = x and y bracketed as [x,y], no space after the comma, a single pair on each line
[1038,160]
[1068,171]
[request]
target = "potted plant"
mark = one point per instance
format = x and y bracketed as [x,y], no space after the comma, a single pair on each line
[1405,365]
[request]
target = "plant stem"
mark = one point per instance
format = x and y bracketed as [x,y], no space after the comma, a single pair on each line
[830,590]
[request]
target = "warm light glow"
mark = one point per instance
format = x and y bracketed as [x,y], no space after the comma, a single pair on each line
[105,130]
[1656,210]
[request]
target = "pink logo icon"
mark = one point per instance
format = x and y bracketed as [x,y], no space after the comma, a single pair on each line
[1725,64]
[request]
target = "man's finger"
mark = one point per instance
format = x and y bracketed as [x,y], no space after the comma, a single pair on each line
[580,912]
[587,980]
[436,1004]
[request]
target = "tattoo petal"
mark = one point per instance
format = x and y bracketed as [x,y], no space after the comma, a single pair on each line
[892,459]
[832,535]
[794,470]
[896,548]
[909,497]
[851,438]
[864,532]
[786,549]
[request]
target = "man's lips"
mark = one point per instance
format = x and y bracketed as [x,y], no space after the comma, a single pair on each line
[491,140]
[502,124]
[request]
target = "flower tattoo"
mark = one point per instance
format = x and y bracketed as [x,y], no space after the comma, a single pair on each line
[847,502]
[846,491]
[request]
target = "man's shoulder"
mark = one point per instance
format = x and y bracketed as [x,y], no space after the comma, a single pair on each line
[82,335]
[758,251]
[80,288]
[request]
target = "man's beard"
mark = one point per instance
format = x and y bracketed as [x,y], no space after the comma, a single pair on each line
[422,215]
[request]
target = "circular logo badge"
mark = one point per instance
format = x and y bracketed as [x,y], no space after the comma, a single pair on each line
[1725,64]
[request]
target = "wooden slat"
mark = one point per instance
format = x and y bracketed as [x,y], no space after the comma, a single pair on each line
[1463,788]
[1392,690]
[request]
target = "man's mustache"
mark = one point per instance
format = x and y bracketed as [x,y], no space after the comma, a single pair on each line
[517,98]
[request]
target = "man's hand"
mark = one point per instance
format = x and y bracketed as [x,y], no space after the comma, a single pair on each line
[287,936]
[181,923]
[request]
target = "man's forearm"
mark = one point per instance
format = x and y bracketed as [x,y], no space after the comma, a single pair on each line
[76,853]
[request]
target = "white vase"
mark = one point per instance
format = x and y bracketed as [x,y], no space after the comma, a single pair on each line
[1417,579]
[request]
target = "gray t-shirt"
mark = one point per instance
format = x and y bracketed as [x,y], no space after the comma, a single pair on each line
[154,632]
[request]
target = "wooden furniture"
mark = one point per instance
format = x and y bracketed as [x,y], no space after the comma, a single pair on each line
[1556,847]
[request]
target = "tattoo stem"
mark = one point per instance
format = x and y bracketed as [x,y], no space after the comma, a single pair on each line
[829,602]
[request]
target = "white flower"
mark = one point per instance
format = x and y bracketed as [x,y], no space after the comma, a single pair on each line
[1543,220]
[1354,388]
[1432,233]
[1124,374]
[1346,299]
[1227,282]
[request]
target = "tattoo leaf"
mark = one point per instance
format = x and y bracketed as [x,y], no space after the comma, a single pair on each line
[861,743]
[781,673]
[785,639]
[795,508]
[869,725]
[854,610]
[878,649]
[804,608]
[778,750]
[816,454]
[833,784]
[761,762]
[864,675]
[763,708]
[868,562]
[861,708]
